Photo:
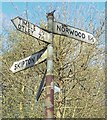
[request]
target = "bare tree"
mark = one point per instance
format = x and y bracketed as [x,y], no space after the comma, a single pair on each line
[78,71]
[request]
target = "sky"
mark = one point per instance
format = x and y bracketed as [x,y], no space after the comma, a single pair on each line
[78,14]
[37,10]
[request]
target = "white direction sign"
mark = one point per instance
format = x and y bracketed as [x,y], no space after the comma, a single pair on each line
[30,61]
[69,31]
[30,29]
[56,89]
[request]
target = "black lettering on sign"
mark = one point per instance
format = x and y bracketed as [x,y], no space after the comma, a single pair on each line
[23,62]
[15,66]
[33,59]
[67,30]
[34,27]
[19,23]
[26,62]
[32,30]
[72,32]
[76,33]
[28,30]
[41,35]
[18,65]
[79,34]
[83,35]
[29,25]
[58,28]
[19,26]
[63,29]
[24,22]
[22,28]
[26,27]
[29,61]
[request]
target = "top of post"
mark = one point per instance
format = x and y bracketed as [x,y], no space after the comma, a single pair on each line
[50,15]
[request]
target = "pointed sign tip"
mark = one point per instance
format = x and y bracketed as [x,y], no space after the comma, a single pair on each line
[12,70]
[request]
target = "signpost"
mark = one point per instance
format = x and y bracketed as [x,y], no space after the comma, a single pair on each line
[49,105]
[72,32]
[30,61]
[31,29]
[47,36]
